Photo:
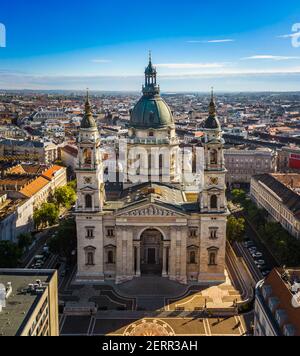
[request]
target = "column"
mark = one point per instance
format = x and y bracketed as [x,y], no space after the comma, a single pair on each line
[172,258]
[183,259]
[119,260]
[165,258]
[138,260]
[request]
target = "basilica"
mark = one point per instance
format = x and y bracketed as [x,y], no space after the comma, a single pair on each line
[151,225]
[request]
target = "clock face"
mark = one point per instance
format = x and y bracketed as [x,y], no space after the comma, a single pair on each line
[214,181]
[87,180]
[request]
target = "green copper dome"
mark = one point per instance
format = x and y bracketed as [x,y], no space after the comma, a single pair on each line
[151,111]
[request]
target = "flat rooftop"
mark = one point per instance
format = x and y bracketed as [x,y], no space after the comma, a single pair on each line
[20,305]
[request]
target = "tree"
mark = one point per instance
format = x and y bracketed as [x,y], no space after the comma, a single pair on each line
[47,215]
[24,241]
[65,196]
[238,196]
[64,242]
[235,229]
[10,254]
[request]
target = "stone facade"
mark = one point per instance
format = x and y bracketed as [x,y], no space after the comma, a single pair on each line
[151,228]
[243,164]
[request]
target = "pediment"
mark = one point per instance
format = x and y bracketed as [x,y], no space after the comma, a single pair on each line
[151,210]
[87,189]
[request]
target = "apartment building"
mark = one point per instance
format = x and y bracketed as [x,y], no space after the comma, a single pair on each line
[279,194]
[28,303]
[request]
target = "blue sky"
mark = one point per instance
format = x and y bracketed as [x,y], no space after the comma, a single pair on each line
[103,45]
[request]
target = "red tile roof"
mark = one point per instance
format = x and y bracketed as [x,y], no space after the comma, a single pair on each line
[282,291]
[34,187]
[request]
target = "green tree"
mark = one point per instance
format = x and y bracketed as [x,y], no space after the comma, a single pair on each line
[64,242]
[235,229]
[65,197]
[238,196]
[47,215]
[24,241]
[10,254]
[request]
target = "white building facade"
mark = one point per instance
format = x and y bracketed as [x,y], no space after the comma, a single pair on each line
[148,226]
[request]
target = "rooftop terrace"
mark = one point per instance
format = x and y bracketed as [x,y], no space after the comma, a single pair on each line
[21,303]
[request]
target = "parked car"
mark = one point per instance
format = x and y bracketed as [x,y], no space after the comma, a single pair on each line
[249,244]
[260,263]
[257,255]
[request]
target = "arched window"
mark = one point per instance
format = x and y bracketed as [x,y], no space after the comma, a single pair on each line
[87,156]
[88,201]
[214,202]
[213,157]
[193,257]
[90,255]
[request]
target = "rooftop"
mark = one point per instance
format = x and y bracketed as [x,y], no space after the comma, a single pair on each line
[51,172]
[20,304]
[281,283]
[281,185]
[34,187]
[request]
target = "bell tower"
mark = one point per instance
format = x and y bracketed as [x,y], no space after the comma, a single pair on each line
[212,197]
[89,170]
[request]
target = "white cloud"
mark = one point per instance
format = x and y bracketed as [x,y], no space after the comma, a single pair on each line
[290,35]
[101,61]
[190,65]
[270,57]
[214,41]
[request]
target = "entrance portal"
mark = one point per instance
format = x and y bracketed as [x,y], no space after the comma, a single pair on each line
[152,252]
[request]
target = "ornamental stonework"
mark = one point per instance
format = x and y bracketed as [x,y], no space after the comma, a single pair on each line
[151,211]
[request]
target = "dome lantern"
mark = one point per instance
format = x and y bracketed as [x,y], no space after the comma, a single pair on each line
[151,111]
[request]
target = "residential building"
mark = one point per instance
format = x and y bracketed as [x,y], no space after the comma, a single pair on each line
[16,217]
[279,194]
[277,304]
[28,303]
[242,164]
[68,156]
[43,152]
[289,159]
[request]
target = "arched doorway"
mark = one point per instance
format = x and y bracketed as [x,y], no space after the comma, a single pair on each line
[152,252]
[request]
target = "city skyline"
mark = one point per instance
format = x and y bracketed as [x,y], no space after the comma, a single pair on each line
[232,47]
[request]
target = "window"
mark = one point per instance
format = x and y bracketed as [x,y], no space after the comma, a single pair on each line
[213,233]
[110,232]
[151,134]
[90,233]
[214,202]
[212,256]
[90,259]
[193,233]
[193,257]
[87,156]
[90,255]
[88,201]
[212,259]
[110,257]
[214,157]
